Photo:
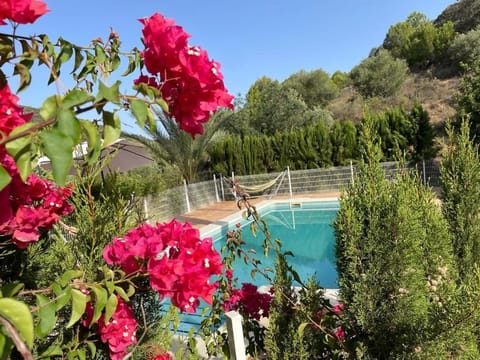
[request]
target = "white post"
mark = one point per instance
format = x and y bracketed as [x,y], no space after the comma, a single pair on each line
[236,342]
[233,176]
[351,172]
[289,182]
[424,175]
[216,188]
[185,187]
[145,209]
[221,187]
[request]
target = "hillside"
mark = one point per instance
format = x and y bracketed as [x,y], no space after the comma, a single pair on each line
[464,14]
[435,95]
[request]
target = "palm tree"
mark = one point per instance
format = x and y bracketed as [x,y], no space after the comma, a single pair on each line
[171,146]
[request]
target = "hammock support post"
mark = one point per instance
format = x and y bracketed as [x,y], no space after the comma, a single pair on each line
[289,182]
[221,187]
[185,187]
[216,188]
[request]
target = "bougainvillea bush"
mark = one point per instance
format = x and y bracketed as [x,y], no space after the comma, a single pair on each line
[170,259]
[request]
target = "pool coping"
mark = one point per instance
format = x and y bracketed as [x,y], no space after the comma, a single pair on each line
[236,217]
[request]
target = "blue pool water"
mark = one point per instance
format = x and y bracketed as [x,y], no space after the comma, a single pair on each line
[305,229]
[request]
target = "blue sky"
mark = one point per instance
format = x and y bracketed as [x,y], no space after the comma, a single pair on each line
[250,38]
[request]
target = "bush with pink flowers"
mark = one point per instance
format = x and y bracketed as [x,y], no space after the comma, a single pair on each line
[171,258]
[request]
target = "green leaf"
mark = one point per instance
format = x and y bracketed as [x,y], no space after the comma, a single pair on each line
[301,329]
[152,121]
[140,111]
[19,315]
[92,348]
[111,128]
[20,149]
[65,53]
[163,104]
[6,346]
[11,289]
[115,62]
[69,125]
[25,76]
[79,303]
[101,297]
[59,149]
[49,108]
[100,54]
[111,306]
[108,93]
[63,295]
[53,350]
[93,140]
[131,66]
[69,275]
[119,290]
[78,59]
[5,177]
[76,97]
[47,316]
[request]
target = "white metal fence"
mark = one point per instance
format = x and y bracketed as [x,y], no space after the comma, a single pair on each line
[188,197]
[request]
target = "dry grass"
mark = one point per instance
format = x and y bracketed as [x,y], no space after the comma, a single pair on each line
[436,96]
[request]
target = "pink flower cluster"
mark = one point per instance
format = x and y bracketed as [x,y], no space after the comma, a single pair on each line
[178,262]
[21,11]
[189,81]
[248,301]
[27,207]
[119,332]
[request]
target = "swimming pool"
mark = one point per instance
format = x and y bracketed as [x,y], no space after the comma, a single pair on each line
[303,227]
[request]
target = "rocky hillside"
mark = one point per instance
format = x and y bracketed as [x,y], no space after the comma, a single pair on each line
[464,14]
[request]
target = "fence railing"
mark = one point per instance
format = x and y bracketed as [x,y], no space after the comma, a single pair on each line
[188,197]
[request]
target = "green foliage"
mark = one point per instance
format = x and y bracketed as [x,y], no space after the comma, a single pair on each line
[464,14]
[172,148]
[341,79]
[396,271]
[465,48]
[315,87]
[460,182]
[417,40]
[271,107]
[379,75]
[468,100]
[423,135]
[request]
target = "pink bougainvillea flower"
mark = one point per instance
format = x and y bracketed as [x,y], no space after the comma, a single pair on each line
[162,356]
[120,331]
[29,207]
[11,114]
[179,264]
[337,308]
[190,83]
[339,333]
[22,11]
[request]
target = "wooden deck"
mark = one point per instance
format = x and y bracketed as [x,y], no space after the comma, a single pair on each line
[218,211]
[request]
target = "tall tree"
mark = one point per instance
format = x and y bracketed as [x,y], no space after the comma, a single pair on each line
[392,241]
[460,182]
[379,75]
[315,87]
[271,107]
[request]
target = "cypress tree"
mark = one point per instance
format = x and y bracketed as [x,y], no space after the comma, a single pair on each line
[423,133]
[460,183]
[396,271]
